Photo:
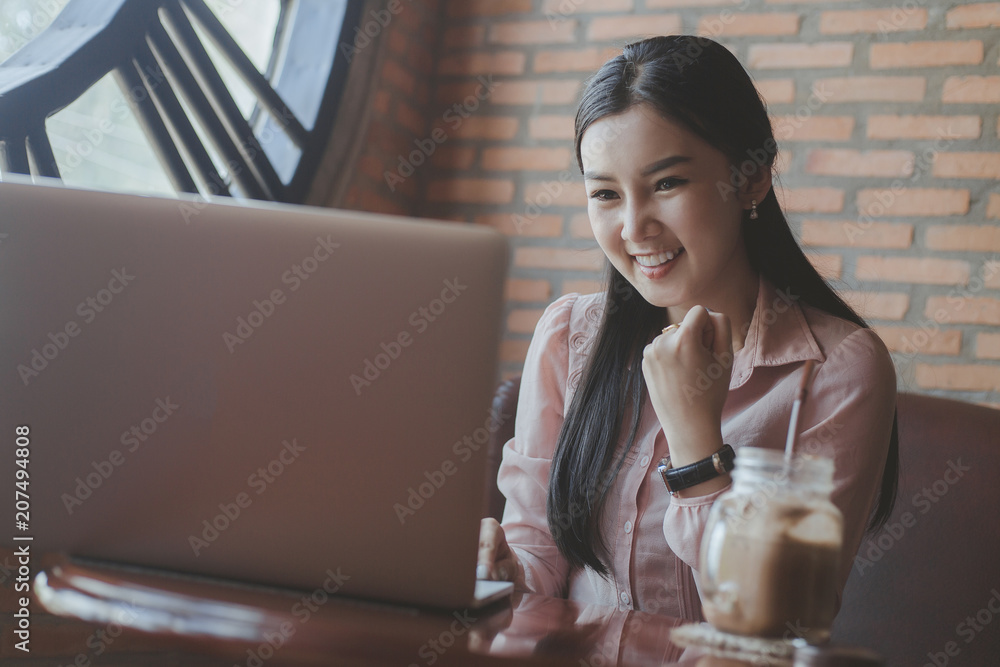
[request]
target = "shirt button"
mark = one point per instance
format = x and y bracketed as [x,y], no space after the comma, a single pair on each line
[625,598]
[628,527]
[644,461]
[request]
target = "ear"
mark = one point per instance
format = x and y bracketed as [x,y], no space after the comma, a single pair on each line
[756,187]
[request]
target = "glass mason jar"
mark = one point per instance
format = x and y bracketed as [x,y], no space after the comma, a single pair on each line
[770,555]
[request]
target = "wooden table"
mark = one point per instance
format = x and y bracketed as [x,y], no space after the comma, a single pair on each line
[138,618]
[202,622]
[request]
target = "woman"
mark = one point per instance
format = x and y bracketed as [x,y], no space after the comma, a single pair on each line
[677,154]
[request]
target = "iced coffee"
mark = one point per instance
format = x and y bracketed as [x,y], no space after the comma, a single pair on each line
[770,554]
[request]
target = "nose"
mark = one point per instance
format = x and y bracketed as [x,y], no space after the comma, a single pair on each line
[637,223]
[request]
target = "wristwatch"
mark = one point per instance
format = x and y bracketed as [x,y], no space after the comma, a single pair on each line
[678,479]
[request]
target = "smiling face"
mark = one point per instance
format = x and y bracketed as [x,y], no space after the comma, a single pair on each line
[659,208]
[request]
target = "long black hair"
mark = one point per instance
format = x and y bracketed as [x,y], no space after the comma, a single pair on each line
[699,84]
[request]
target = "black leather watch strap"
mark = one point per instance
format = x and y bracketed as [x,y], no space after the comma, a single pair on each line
[678,479]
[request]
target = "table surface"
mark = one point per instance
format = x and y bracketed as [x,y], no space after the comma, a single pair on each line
[141,618]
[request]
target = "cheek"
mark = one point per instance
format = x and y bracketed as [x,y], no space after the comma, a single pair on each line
[602,226]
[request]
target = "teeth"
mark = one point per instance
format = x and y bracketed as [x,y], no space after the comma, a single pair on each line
[656,260]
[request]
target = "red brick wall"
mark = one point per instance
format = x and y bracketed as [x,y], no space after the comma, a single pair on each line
[887,121]
[409,32]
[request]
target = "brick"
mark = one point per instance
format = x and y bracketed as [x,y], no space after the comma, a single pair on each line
[536,92]
[958,376]
[471,190]
[924,127]
[604,29]
[811,200]
[979,15]
[551,126]
[912,340]
[845,162]
[993,206]
[923,270]
[776,91]
[800,56]
[991,274]
[878,305]
[988,346]
[851,233]
[925,54]
[877,202]
[515,225]
[501,128]
[522,289]
[573,60]
[556,193]
[523,320]
[971,89]
[967,165]
[525,159]
[477,62]
[836,90]
[963,310]
[410,118]
[982,238]
[732,24]
[562,8]
[469,95]
[895,19]
[587,259]
[579,226]
[812,128]
[454,157]
[463,36]
[382,101]
[397,76]
[828,266]
[514,350]
[533,32]
[371,166]
[469,8]
[582,286]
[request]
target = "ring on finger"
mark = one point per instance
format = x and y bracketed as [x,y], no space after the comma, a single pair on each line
[671,328]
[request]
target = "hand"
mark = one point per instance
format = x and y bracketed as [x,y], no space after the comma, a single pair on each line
[497,561]
[687,371]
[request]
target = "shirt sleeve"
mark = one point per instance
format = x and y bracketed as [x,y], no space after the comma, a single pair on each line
[523,477]
[848,417]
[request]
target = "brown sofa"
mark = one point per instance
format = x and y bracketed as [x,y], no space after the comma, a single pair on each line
[925,590]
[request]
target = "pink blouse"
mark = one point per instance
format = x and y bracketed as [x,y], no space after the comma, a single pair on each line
[653,539]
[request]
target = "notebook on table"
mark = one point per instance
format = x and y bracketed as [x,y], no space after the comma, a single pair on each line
[264,393]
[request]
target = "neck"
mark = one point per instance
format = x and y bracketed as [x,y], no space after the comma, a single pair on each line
[737,300]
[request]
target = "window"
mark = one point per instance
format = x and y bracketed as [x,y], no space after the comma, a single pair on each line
[212,96]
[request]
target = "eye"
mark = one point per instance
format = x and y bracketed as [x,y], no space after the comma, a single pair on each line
[603,195]
[670,183]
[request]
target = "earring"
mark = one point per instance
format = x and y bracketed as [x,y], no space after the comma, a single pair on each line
[753,209]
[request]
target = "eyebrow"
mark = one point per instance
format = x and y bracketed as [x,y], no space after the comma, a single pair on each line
[659,165]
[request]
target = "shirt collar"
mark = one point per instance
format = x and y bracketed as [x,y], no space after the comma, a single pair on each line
[778,334]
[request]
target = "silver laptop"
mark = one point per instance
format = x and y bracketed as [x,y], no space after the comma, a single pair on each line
[265,393]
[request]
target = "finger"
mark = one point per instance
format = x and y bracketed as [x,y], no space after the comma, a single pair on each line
[504,570]
[488,532]
[723,343]
[698,323]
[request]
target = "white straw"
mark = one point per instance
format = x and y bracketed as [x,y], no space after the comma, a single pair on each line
[793,426]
